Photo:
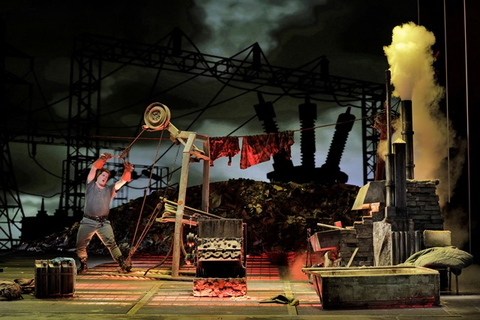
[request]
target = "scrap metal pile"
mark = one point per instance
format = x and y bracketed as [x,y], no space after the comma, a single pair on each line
[277,216]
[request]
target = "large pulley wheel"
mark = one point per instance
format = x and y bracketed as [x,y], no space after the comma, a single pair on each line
[157,116]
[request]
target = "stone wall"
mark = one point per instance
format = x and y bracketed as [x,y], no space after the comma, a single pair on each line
[423,213]
[364,230]
[422,205]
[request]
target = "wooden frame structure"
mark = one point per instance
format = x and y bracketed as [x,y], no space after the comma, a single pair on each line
[157,117]
[190,151]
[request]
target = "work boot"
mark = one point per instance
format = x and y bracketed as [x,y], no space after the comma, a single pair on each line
[83,266]
[124,267]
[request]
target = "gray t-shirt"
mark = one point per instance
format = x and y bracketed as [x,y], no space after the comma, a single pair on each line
[97,201]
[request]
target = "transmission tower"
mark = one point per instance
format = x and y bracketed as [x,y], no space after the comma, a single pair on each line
[13,92]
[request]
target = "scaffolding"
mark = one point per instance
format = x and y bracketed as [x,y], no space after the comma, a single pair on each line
[248,70]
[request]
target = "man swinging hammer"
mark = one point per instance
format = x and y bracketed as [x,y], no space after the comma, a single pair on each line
[98,196]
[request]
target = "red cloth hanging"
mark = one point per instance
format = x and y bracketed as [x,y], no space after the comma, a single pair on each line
[223,147]
[260,148]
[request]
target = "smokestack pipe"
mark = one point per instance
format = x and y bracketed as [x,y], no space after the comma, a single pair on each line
[400,185]
[389,181]
[407,136]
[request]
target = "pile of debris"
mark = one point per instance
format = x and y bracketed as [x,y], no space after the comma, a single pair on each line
[278,216]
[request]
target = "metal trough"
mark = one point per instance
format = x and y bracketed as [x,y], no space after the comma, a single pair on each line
[376,287]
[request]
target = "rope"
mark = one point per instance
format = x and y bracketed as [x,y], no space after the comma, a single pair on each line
[127,149]
[154,215]
[161,262]
[150,221]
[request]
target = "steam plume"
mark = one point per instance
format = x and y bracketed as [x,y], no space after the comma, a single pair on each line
[411,59]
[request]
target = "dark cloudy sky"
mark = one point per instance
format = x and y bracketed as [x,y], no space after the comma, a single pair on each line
[351,33]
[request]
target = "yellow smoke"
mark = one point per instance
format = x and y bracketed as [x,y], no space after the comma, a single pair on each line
[411,59]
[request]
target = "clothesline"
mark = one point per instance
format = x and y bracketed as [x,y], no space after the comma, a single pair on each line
[241,136]
[331,124]
[255,148]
